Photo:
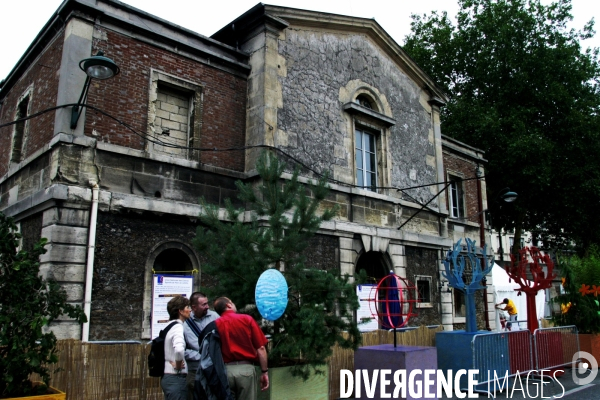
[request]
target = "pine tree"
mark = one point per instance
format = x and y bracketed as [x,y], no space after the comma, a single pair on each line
[274,231]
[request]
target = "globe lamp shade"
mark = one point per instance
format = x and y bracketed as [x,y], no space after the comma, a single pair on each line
[509,196]
[99,67]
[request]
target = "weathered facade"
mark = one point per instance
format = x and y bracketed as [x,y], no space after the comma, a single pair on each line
[335,93]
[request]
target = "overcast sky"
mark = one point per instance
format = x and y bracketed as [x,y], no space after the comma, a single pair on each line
[21,20]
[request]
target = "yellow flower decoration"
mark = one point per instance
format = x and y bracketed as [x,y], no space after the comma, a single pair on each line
[565,307]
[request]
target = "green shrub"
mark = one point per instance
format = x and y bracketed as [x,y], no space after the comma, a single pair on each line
[28,304]
[579,304]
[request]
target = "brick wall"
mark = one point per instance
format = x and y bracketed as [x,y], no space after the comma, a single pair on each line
[43,75]
[466,169]
[126,97]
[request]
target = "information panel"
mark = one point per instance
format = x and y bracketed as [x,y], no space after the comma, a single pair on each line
[164,288]
[366,321]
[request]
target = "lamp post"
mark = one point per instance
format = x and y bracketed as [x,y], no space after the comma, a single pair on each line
[507,196]
[96,67]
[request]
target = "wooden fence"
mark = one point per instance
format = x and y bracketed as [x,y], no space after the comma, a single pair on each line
[119,371]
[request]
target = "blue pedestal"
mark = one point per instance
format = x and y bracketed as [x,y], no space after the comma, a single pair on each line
[386,356]
[455,351]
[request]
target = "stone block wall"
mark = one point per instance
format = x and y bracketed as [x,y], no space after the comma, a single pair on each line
[318,66]
[66,229]
[172,121]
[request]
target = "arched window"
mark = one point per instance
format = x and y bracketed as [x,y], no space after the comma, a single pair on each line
[371,133]
[168,257]
[172,261]
[366,102]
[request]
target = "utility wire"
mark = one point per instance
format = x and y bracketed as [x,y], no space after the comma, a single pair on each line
[149,138]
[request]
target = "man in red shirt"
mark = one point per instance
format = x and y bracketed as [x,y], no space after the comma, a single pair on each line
[242,344]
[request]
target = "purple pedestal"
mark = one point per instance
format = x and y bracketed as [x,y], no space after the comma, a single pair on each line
[388,357]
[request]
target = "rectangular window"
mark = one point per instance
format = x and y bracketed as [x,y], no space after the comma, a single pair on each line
[460,306]
[19,133]
[522,242]
[423,291]
[457,206]
[511,242]
[366,160]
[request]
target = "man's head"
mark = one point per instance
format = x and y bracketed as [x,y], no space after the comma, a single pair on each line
[505,301]
[223,304]
[199,304]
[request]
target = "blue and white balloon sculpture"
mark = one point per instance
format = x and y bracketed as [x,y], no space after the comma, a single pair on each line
[271,294]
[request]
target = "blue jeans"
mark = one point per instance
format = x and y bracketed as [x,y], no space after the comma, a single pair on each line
[174,386]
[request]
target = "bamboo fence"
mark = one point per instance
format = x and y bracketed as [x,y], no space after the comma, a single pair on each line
[89,371]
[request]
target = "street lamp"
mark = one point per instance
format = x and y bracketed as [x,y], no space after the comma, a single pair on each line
[507,196]
[96,67]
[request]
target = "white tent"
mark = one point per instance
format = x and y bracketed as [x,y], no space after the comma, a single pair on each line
[504,287]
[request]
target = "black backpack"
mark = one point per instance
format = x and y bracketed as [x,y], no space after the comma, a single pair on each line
[156,358]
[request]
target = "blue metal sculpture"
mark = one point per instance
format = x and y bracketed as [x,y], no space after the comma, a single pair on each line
[455,264]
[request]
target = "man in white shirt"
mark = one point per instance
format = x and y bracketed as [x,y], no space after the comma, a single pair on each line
[201,316]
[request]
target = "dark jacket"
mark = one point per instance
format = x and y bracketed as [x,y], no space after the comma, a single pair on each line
[211,377]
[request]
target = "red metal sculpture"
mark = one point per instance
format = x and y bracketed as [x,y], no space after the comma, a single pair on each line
[533,271]
[391,302]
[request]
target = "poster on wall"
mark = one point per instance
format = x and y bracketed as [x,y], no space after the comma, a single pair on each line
[366,295]
[164,288]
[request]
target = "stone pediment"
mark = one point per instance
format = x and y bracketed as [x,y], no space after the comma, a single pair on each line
[264,17]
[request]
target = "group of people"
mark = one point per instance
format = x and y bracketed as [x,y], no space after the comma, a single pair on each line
[242,345]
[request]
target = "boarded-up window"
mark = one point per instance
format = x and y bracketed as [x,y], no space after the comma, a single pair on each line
[19,133]
[175,117]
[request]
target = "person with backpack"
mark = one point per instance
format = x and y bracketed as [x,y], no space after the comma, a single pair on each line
[201,316]
[173,382]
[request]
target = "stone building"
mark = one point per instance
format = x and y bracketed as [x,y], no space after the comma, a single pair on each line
[117,195]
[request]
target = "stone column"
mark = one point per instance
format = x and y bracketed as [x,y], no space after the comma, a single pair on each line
[347,256]
[67,231]
[446,301]
[398,256]
[77,46]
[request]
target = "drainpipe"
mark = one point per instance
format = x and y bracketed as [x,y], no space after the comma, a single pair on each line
[89,269]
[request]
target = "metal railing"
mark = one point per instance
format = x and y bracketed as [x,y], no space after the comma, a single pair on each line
[502,355]
[555,347]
